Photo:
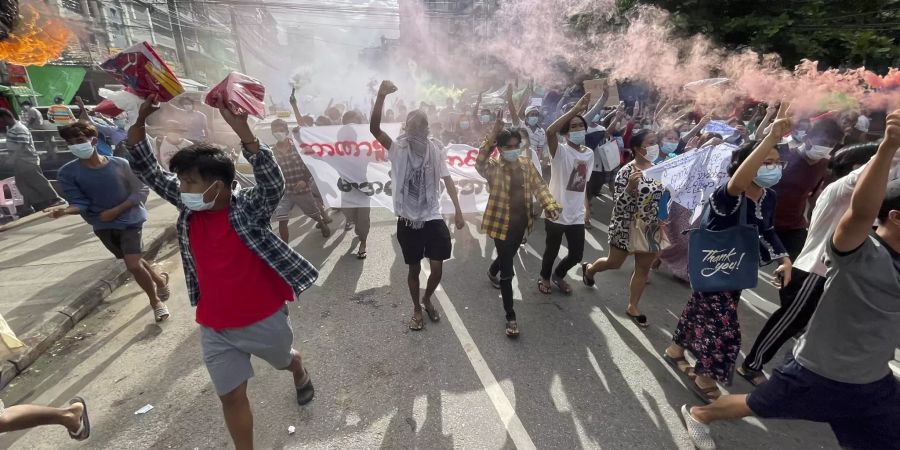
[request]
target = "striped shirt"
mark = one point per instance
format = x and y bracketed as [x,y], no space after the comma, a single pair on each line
[20,144]
[250,213]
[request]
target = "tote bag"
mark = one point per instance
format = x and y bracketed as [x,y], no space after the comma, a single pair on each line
[724,260]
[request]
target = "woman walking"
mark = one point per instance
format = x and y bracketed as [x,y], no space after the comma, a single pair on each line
[636,210]
[709,326]
[512,181]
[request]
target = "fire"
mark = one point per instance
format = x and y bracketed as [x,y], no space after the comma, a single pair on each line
[34,40]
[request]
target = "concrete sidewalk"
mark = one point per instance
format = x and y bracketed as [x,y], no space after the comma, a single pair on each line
[54,272]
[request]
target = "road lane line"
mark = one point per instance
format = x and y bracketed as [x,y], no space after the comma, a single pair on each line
[505,410]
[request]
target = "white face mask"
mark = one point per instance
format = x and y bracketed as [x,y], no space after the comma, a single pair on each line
[280,135]
[195,202]
[83,150]
[817,152]
[652,153]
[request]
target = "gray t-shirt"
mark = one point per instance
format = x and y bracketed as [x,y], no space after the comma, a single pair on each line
[20,143]
[852,335]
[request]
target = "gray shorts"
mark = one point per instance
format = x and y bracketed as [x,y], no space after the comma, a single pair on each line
[306,202]
[122,242]
[227,352]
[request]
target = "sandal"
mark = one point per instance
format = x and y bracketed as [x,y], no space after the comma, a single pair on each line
[754,377]
[544,287]
[164,292]
[432,313]
[348,226]
[562,285]
[161,313]
[681,365]
[495,281]
[306,393]
[84,430]
[640,320]
[417,325]
[361,255]
[512,329]
[589,282]
[326,231]
[708,394]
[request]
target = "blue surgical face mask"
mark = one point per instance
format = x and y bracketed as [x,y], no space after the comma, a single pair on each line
[511,155]
[83,150]
[195,202]
[577,137]
[532,121]
[766,177]
[669,147]
[464,125]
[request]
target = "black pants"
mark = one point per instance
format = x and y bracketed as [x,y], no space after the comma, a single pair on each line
[574,239]
[503,265]
[793,241]
[799,300]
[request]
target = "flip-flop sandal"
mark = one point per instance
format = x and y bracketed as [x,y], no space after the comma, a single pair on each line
[640,320]
[326,232]
[495,281]
[84,431]
[754,377]
[562,285]
[306,393]
[432,313]
[161,313]
[348,226]
[544,288]
[361,255]
[681,365]
[708,395]
[584,279]
[164,292]
[416,325]
[512,329]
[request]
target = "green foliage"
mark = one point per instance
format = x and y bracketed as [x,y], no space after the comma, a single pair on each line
[837,33]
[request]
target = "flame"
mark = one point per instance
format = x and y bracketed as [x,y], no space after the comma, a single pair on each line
[35,40]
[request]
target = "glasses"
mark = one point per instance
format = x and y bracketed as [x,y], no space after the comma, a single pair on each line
[771,165]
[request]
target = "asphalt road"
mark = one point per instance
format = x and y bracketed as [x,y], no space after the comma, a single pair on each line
[581,375]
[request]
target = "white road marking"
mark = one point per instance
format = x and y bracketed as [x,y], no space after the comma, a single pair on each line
[505,410]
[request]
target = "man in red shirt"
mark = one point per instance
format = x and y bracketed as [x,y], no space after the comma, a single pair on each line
[242,271]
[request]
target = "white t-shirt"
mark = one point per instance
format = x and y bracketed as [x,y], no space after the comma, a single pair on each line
[167,150]
[830,206]
[570,171]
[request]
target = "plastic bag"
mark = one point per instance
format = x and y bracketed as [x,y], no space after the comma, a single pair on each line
[242,95]
[125,101]
[143,73]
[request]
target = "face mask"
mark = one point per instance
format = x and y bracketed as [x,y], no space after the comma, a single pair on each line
[195,202]
[577,137]
[26,108]
[120,123]
[799,135]
[817,152]
[511,155]
[669,147]
[766,177]
[279,135]
[652,153]
[464,125]
[485,118]
[532,121]
[82,151]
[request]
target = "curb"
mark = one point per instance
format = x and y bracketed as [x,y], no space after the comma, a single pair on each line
[75,308]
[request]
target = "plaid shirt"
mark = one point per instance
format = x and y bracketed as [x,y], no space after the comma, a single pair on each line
[250,213]
[294,169]
[497,173]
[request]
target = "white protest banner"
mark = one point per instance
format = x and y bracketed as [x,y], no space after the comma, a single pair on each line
[719,127]
[352,170]
[693,175]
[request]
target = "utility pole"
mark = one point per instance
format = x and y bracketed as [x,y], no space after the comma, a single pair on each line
[237,41]
[175,21]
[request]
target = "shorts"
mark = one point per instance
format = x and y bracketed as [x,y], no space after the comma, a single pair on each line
[306,202]
[227,352]
[598,180]
[122,242]
[432,241]
[862,416]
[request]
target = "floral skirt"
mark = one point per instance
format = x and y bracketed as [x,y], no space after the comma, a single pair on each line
[709,329]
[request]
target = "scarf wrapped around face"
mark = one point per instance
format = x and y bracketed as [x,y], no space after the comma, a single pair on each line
[417,165]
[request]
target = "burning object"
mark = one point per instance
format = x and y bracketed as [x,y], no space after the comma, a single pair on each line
[27,37]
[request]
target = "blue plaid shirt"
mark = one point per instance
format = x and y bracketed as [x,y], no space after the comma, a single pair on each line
[250,215]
